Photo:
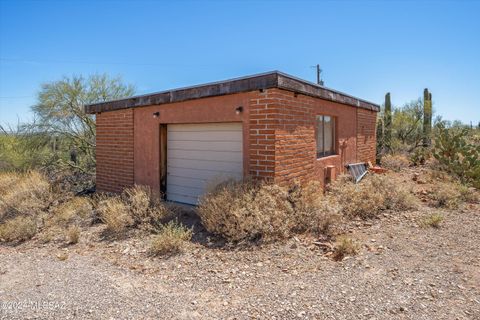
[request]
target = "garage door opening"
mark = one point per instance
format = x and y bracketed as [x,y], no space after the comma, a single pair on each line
[199,156]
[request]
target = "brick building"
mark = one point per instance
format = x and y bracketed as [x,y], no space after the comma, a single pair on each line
[272,125]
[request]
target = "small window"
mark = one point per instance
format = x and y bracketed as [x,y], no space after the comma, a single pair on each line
[325,136]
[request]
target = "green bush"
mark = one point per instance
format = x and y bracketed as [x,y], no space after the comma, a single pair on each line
[457,155]
[420,156]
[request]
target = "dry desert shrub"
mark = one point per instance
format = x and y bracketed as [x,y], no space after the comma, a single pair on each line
[358,200]
[170,239]
[7,180]
[434,220]
[72,234]
[145,207]
[398,195]
[437,175]
[451,195]
[23,193]
[395,162]
[20,228]
[344,246]
[246,211]
[115,214]
[137,206]
[372,195]
[469,194]
[76,209]
[312,211]
[258,210]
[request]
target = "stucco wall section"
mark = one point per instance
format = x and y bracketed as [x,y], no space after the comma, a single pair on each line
[205,110]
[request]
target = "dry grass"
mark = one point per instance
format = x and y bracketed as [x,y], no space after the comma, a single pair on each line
[23,194]
[358,200]
[449,195]
[312,211]
[137,206]
[469,194]
[72,234]
[170,240]
[250,211]
[345,246]
[246,211]
[76,209]
[395,162]
[434,174]
[50,234]
[372,195]
[434,220]
[146,208]
[448,192]
[115,214]
[20,228]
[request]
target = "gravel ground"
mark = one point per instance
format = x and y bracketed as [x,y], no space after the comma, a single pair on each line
[402,272]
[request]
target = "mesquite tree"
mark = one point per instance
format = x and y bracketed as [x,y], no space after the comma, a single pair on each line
[60,113]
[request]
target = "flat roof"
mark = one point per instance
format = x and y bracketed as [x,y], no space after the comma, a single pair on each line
[274,79]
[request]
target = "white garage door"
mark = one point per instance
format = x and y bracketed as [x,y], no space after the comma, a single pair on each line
[200,156]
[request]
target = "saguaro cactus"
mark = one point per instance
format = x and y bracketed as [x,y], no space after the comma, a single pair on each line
[388,122]
[427,117]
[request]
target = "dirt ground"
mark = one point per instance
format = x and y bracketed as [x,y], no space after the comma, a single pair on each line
[403,271]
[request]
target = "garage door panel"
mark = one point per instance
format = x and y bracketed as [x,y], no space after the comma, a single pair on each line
[229,156]
[202,127]
[183,194]
[203,136]
[208,145]
[196,185]
[182,198]
[207,174]
[199,156]
[205,165]
[187,181]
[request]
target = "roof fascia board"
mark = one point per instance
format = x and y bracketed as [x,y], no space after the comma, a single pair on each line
[267,80]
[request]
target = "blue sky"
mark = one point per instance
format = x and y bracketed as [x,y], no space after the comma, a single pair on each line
[365,48]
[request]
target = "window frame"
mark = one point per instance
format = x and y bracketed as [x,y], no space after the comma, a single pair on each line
[323,153]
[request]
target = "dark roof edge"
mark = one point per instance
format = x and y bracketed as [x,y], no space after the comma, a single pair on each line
[291,83]
[274,79]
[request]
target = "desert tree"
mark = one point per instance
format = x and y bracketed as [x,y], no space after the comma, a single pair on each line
[407,126]
[60,114]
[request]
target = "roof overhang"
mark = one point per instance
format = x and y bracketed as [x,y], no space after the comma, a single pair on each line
[262,81]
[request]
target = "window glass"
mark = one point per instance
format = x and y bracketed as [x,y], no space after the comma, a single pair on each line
[328,138]
[319,136]
[325,136]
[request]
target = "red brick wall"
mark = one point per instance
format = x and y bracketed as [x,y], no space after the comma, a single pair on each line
[295,147]
[114,150]
[282,144]
[279,137]
[366,135]
[262,125]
